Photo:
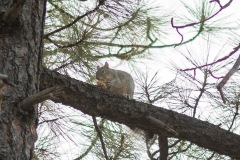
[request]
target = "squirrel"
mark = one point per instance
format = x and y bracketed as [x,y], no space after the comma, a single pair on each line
[117,81]
[121,82]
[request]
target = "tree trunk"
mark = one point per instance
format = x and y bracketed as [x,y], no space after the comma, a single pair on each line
[20,59]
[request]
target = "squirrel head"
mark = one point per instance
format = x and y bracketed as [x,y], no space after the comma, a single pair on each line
[103,73]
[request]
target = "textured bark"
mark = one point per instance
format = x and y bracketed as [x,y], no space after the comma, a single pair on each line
[163,145]
[95,101]
[20,57]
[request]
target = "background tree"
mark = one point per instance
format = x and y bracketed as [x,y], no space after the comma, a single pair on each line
[77,36]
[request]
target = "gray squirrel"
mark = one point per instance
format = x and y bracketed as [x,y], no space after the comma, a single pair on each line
[116,81]
[121,82]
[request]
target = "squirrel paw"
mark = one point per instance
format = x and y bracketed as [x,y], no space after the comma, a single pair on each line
[108,84]
[127,96]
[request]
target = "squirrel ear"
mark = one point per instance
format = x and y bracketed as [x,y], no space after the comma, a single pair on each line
[98,67]
[106,65]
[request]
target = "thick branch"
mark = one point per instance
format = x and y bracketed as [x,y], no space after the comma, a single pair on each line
[92,100]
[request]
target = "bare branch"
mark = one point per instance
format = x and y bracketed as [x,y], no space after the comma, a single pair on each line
[163,145]
[227,77]
[41,96]
[234,116]
[201,93]
[100,137]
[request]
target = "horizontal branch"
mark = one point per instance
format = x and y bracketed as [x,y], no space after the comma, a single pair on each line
[141,45]
[93,100]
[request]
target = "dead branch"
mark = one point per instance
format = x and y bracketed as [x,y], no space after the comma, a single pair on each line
[163,145]
[100,137]
[49,93]
[227,77]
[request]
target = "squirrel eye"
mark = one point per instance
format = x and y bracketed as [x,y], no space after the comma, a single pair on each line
[103,71]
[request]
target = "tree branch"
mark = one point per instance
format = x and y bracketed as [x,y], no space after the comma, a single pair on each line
[163,145]
[227,77]
[203,18]
[93,100]
[100,136]
[101,2]
[235,49]
[41,96]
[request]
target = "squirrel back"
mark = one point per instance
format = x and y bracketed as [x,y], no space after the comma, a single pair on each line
[117,81]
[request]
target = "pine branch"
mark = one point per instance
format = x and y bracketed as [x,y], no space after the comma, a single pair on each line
[100,137]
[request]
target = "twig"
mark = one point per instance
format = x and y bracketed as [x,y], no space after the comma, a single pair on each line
[100,137]
[200,94]
[101,2]
[210,72]
[203,19]
[65,46]
[120,148]
[217,61]
[64,65]
[234,116]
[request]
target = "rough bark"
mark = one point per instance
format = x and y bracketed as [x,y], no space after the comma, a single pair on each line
[20,57]
[95,101]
